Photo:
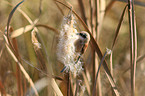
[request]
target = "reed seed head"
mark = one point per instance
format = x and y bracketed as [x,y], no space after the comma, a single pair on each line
[66,48]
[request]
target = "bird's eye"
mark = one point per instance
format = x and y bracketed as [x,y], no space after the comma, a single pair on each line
[83,35]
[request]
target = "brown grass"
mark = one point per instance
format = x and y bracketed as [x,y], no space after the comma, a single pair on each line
[27,70]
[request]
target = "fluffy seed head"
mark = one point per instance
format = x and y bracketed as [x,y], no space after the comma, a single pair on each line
[66,49]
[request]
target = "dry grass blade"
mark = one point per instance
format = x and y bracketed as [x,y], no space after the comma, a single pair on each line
[25,15]
[59,9]
[97,49]
[29,27]
[140,58]
[86,83]
[118,27]
[49,76]
[22,30]
[77,87]
[9,19]
[40,7]
[48,27]
[133,44]
[98,24]
[52,81]
[57,78]
[97,8]
[1,52]
[68,83]
[55,87]
[18,72]
[22,12]
[109,6]
[15,54]
[39,84]
[91,14]
[81,5]
[8,25]
[94,88]
[111,65]
[142,4]
[44,82]
[20,65]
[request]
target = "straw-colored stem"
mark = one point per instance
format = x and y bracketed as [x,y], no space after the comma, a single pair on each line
[133,44]
[97,49]
[94,86]
[21,67]
[68,83]
[82,10]
[18,72]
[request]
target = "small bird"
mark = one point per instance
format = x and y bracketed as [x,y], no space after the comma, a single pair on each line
[81,43]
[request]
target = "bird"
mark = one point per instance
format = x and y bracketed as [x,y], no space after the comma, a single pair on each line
[81,43]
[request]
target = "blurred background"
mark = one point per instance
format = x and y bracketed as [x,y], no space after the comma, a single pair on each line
[47,12]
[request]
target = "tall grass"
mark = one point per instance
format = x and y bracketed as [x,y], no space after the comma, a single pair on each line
[113,64]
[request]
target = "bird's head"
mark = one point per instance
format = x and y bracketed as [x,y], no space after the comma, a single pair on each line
[84,36]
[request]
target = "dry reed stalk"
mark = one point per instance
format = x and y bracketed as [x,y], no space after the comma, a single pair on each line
[59,9]
[109,6]
[97,49]
[20,65]
[97,11]
[86,81]
[101,14]
[40,7]
[48,27]
[83,15]
[116,35]
[93,31]
[139,3]
[23,13]
[68,83]
[118,27]
[111,65]
[97,5]
[18,72]
[55,87]
[140,58]
[133,43]
[19,31]
[13,52]
[77,88]
[96,35]
[1,52]
[9,20]
[82,9]
[99,85]
[91,14]
[95,82]
[53,84]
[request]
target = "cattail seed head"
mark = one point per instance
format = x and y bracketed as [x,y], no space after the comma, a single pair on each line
[66,48]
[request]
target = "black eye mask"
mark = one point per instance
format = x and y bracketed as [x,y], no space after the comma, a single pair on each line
[83,35]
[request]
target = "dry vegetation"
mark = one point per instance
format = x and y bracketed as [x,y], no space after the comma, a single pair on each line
[28,45]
